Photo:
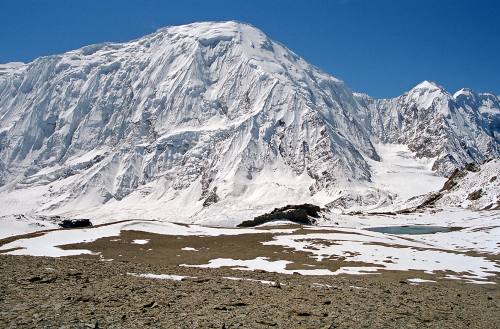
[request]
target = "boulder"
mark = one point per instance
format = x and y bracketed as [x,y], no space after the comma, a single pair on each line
[302,214]
[74,223]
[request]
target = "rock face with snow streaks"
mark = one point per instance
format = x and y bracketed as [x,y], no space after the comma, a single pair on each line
[207,102]
[475,187]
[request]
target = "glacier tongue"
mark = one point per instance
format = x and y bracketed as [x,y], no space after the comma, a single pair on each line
[209,120]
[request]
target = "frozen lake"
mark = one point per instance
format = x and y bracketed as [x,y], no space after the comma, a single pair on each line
[412,229]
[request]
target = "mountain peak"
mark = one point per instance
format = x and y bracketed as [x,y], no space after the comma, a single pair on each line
[430,85]
[234,26]
[213,31]
[465,92]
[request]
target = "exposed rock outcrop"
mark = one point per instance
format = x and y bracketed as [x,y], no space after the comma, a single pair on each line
[305,214]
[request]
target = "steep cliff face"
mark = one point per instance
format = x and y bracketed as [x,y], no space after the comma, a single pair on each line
[456,130]
[213,103]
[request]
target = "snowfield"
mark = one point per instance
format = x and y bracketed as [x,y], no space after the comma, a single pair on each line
[447,252]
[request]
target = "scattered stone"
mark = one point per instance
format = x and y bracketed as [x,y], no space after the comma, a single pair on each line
[93,325]
[39,279]
[34,279]
[118,300]
[200,280]
[276,284]
[151,304]
[302,313]
[267,323]
[84,298]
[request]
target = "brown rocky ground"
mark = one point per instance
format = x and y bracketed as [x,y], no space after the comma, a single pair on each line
[83,292]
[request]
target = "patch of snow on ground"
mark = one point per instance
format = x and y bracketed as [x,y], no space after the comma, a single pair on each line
[161,276]
[189,249]
[140,241]
[271,283]
[47,244]
[418,280]
[259,263]
[349,241]
[392,254]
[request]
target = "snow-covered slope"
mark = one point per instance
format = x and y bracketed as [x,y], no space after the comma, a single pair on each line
[455,129]
[208,120]
[477,188]
[396,178]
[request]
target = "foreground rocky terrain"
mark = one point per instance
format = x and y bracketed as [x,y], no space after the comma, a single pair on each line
[74,292]
[136,274]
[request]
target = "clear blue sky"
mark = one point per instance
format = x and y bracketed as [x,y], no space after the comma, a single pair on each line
[379,47]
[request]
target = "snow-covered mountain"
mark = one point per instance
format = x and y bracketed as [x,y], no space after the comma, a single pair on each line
[455,129]
[209,120]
